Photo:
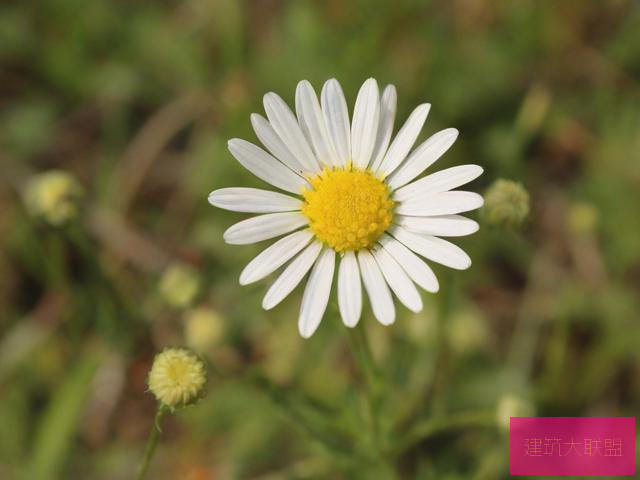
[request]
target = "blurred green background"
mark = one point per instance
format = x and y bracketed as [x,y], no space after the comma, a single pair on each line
[137,100]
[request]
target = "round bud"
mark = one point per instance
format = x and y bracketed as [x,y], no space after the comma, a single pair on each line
[506,203]
[177,377]
[179,285]
[54,197]
[203,328]
[511,405]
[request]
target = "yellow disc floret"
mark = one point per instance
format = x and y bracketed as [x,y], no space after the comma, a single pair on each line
[348,209]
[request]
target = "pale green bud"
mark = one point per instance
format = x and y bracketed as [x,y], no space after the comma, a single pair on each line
[54,197]
[179,285]
[506,203]
[512,405]
[467,332]
[203,328]
[582,218]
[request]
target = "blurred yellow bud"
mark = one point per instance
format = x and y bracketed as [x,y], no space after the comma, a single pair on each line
[420,328]
[467,332]
[203,328]
[177,377]
[512,405]
[534,108]
[506,203]
[54,197]
[582,218]
[179,285]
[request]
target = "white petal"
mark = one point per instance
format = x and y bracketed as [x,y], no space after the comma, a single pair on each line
[433,248]
[263,227]
[423,157]
[442,203]
[274,256]
[336,116]
[415,267]
[388,103]
[364,127]
[311,119]
[398,280]
[379,295]
[266,167]
[442,226]
[286,126]
[441,181]
[274,143]
[316,293]
[291,276]
[253,200]
[404,140]
[349,290]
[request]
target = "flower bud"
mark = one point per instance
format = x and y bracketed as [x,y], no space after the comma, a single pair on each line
[512,405]
[179,285]
[203,328]
[582,218]
[534,109]
[177,377]
[467,332]
[54,197]
[506,203]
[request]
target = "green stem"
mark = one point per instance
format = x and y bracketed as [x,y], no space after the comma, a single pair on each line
[364,360]
[106,288]
[439,390]
[372,397]
[56,263]
[152,443]
[309,416]
[364,357]
[428,428]
[526,331]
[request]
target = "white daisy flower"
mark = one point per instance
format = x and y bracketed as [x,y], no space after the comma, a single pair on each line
[354,196]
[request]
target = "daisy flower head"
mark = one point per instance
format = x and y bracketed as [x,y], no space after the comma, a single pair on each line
[354,195]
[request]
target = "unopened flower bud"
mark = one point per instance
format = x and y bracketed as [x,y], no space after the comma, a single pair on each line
[467,332]
[534,108]
[203,328]
[179,285]
[582,218]
[511,405]
[506,203]
[177,377]
[54,197]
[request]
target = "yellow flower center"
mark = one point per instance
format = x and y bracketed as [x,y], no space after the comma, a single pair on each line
[348,209]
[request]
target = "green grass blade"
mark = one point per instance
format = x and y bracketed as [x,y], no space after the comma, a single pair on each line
[57,427]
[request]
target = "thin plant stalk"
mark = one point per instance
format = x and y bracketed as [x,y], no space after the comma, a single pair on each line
[364,360]
[363,356]
[152,443]
[312,418]
[428,428]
